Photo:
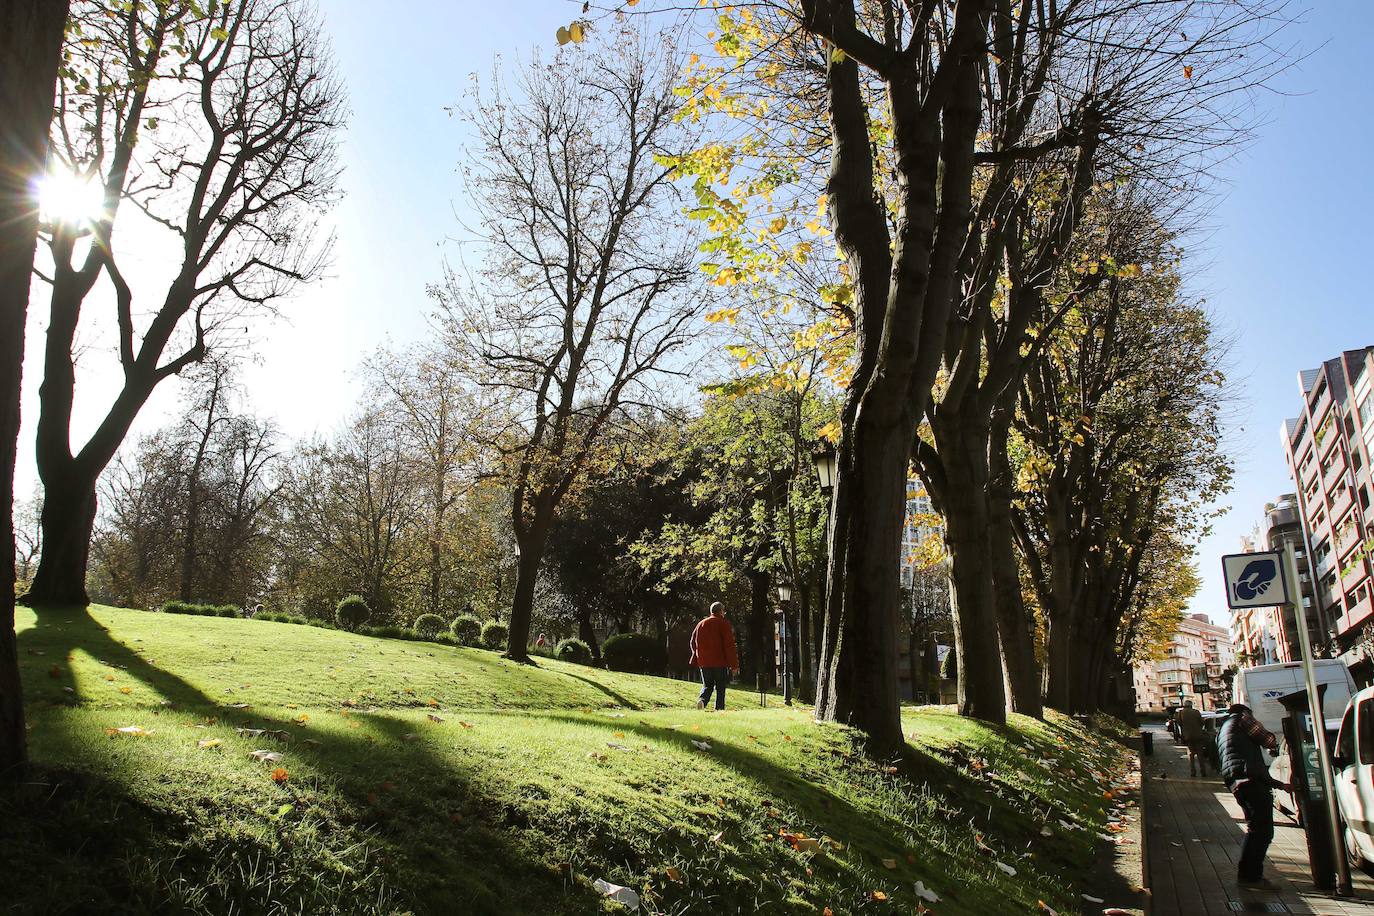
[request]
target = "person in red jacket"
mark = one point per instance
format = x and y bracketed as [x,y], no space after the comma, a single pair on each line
[713,651]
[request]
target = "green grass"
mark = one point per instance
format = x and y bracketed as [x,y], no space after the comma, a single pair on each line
[515,801]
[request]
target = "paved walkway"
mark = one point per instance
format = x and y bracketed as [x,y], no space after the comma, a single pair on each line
[1194,827]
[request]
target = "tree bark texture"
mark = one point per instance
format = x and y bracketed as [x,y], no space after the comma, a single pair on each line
[30,50]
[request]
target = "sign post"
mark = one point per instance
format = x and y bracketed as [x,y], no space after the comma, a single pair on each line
[1269,579]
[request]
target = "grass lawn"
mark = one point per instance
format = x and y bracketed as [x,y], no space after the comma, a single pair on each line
[421,778]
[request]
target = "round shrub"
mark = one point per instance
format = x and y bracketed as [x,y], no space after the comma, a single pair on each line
[428,625]
[634,652]
[494,634]
[467,630]
[573,650]
[352,612]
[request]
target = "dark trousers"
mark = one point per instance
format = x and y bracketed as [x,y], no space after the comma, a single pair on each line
[1257,801]
[714,679]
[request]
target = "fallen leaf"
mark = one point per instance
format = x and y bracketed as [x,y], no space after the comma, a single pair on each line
[265,756]
[890,864]
[718,837]
[208,743]
[126,690]
[55,671]
[702,745]
[280,776]
[136,731]
[877,895]
[617,893]
[433,718]
[1091,899]
[456,817]
[1007,869]
[672,873]
[465,724]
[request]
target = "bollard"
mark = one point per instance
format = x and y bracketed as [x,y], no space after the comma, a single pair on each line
[1147,742]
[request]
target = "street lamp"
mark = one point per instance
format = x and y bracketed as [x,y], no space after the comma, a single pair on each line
[785,640]
[826,464]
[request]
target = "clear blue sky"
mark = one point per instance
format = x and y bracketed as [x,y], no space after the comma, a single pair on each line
[1285,267]
[1284,264]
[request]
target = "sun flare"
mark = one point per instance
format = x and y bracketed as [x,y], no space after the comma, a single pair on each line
[64,196]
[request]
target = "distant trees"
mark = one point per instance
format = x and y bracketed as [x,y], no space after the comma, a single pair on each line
[582,298]
[218,125]
[190,512]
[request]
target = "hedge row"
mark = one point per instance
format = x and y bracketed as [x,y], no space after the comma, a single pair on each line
[201,610]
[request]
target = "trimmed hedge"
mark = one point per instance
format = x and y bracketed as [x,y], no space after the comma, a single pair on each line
[494,634]
[573,650]
[467,630]
[352,612]
[200,610]
[636,653]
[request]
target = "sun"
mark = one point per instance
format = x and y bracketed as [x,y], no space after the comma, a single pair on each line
[66,197]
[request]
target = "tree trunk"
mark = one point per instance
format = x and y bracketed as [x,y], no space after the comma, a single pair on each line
[805,688]
[522,605]
[587,634]
[1015,630]
[858,675]
[962,497]
[30,48]
[758,660]
[69,505]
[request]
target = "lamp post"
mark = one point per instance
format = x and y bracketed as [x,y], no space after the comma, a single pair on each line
[785,640]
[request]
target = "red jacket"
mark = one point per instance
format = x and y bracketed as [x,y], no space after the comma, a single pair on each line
[713,644]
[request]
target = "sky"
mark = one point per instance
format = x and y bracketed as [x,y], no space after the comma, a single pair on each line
[1280,257]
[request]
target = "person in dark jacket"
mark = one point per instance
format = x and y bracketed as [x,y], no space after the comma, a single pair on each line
[713,651]
[1241,743]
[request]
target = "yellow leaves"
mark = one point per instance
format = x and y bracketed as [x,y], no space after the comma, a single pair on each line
[574,32]
[301,720]
[126,690]
[1187,71]
[830,431]
[777,225]
[432,703]
[727,315]
[209,744]
[877,896]
[673,873]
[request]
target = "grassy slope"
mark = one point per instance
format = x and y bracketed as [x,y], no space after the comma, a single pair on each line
[515,801]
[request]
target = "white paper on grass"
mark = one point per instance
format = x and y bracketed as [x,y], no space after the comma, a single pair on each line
[617,893]
[926,894]
[1011,872]
[701,745]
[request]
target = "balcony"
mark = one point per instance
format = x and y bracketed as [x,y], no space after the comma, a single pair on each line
[1355,617]
[1341,500]
[1353,573]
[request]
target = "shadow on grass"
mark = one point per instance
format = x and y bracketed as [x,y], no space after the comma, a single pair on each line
[74,830]
[620,699]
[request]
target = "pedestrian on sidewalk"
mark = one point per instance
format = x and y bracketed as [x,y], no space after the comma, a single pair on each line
[713,651]
[1191,731]
[1241,744]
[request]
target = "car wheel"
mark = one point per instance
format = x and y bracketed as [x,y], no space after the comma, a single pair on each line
[1352,851]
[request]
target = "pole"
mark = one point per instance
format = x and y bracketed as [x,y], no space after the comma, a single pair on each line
[785,648]
[1314,706]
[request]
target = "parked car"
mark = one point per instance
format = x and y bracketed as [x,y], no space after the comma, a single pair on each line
[1261,687]
[1353,762]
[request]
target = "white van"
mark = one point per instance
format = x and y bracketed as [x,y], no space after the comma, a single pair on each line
[1260,688]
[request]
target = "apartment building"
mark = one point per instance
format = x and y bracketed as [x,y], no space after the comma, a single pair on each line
[1198,648]
[1328,447]
[1256,636]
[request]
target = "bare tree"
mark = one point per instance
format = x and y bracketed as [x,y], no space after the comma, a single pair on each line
[30,51]
[434,412]
[218,125]
[584,293]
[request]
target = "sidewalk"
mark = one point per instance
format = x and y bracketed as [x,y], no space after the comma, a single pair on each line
[1193,829]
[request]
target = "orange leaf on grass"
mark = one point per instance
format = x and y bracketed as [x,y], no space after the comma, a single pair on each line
[280,776]
[126,690]
[672,873]
[55,671]
[877,895]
